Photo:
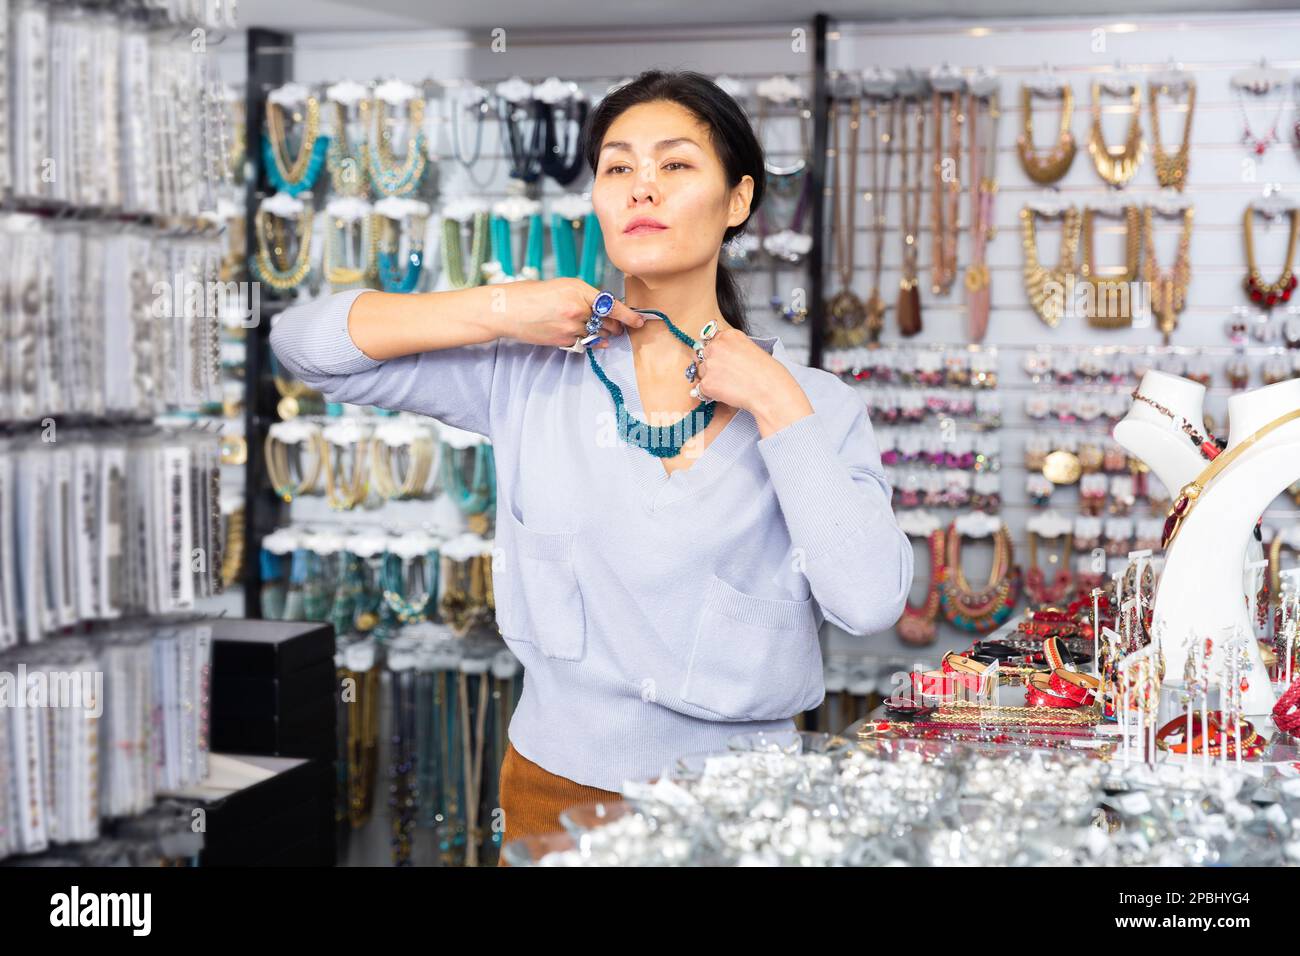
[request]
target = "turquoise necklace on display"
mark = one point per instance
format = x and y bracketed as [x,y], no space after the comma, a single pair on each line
[563,241]
[662,441]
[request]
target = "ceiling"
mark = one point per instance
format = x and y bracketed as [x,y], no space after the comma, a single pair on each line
[295,16]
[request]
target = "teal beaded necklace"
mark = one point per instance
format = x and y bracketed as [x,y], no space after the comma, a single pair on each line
[662,441]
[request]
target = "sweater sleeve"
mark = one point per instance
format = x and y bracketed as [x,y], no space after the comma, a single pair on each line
[836,502]
[312,342]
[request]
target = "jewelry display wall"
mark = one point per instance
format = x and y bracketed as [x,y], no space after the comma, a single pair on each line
[1065,375]
[130,721]
[114,170]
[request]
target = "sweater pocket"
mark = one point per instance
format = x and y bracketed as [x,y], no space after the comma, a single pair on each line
[753,658]
[537,595]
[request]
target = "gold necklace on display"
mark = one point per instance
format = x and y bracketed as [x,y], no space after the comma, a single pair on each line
[290,275]
[1269,294]
[339,275]
[347,167]
[344,494]
[387,479]
[294,171]
[278,470]
[945,197]
[1052,167]
[389,175]
[1171,169]
[879,190]
[846,313]
[1046,287]
[909,295]
[1168,290]
[1112,305]
[1117,164]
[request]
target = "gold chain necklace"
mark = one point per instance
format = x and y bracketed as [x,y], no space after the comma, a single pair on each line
[292,171]
[341,276]
[345,494]
[1268,294]
[347,168]
[983,153]
[1168,289]
[387,481]
[1117,164]
[1046,169]
[846,312]
[290,277]
[1046,287]
[1171,169]
[390,176]
[879,187]
[909,296]
[1111,306]
[945,200]
[277,466]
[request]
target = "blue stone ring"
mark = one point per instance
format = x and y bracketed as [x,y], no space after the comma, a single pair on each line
[602,307]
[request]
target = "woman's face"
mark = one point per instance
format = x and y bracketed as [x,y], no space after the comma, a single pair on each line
[657,163]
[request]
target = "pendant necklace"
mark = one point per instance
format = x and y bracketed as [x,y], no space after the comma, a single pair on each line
[945,196]
[1168,289]
[662,441]
[845,312]
[909,293]
[1259,144]
[981,111]
[882,151]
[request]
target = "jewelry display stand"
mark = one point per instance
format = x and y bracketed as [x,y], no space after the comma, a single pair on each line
[1198,592]
[1149,435]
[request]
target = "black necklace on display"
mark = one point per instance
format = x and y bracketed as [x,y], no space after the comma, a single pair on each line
[525,158]
[563,161]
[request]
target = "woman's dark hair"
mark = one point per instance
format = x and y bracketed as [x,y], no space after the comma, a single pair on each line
[730,132]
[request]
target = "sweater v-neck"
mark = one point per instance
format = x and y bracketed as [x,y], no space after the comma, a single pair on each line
[658,486]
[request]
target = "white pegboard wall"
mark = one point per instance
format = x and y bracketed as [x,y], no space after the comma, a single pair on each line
[1223,176]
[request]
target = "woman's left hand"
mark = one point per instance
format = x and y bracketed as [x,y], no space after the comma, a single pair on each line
[737,372]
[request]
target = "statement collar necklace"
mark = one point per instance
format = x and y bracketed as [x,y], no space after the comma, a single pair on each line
[664,441]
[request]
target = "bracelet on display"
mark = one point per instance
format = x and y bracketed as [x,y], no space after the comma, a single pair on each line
[1286,712]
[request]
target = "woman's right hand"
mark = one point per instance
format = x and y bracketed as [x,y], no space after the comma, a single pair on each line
[555,311]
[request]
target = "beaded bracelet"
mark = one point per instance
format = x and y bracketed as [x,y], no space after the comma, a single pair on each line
[1286,712]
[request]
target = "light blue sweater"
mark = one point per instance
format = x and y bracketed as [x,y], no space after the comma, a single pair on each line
[655,614]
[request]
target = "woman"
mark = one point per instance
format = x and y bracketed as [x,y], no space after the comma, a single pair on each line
[663,589]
